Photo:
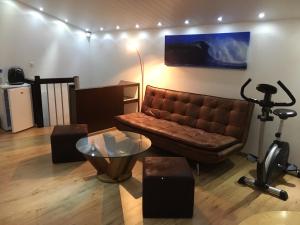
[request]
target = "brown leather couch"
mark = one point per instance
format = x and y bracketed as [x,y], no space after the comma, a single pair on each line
[200,127]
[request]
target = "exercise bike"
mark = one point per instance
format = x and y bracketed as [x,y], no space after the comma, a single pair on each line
[275,161]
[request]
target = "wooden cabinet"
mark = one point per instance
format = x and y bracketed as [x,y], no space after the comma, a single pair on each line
[98,106]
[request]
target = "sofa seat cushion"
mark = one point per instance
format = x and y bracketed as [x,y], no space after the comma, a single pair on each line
[185,134]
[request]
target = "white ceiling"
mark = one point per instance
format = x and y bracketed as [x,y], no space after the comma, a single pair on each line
[94,14]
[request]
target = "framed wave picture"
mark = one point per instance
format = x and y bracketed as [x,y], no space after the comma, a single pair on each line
[220,50]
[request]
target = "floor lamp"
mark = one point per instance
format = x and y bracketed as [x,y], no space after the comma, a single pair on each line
[142,71]
[134,47]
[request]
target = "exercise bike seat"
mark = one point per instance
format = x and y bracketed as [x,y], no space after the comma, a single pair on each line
[284,113]
[266,88]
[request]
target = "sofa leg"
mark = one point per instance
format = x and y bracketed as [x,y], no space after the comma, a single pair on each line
[198,168]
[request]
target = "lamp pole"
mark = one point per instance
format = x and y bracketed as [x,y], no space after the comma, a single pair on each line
[142,71]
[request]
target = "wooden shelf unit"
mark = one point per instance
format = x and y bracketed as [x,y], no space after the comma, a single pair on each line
[128,100]
[131,92]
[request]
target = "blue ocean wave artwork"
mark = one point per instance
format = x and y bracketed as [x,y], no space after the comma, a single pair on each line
[221,50]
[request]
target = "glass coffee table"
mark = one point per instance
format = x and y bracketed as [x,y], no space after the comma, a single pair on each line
[113,154]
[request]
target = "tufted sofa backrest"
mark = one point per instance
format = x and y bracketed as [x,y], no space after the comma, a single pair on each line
[230,117]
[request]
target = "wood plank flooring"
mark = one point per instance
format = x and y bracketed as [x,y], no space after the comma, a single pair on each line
[33,191]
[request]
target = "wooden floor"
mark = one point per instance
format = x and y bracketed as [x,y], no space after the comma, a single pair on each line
[34,191]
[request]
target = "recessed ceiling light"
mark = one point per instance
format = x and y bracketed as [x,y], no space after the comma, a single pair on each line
[159,24]
[41,9]
[137,26]
[66,20]
[261,15]
[186,22]
[101,28]
[220,18]
[118,27]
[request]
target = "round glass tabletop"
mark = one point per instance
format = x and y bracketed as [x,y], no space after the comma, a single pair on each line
[113,144]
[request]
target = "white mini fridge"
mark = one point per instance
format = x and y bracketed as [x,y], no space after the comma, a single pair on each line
[16,107]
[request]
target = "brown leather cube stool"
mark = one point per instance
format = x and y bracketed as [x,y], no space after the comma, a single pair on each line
[168,188]
[63,142]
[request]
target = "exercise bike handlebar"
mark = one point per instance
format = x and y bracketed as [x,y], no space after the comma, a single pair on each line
[243,93]
[288,92]
[284,88]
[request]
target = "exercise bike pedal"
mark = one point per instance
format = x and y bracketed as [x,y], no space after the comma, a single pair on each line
[252,158]
[291,168]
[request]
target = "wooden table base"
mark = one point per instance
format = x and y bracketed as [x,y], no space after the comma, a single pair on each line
[107,179]
[113,170]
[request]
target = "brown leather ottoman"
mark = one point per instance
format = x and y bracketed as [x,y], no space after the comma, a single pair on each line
[63,142]
[168,188]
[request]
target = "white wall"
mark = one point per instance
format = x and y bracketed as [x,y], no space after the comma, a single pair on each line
[55,49]
[58,50]
[273,55]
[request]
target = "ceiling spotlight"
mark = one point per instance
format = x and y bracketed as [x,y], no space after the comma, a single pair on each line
[118,27]
[159,24]
[186,22]
[261,15]
[137,26]
[220,18]
[66,20]
[101,29]
[41,9]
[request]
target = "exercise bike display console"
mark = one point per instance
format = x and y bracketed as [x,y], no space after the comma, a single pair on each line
[275,161]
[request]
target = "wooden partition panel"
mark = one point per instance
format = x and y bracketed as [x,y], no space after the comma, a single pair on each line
[96,106]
